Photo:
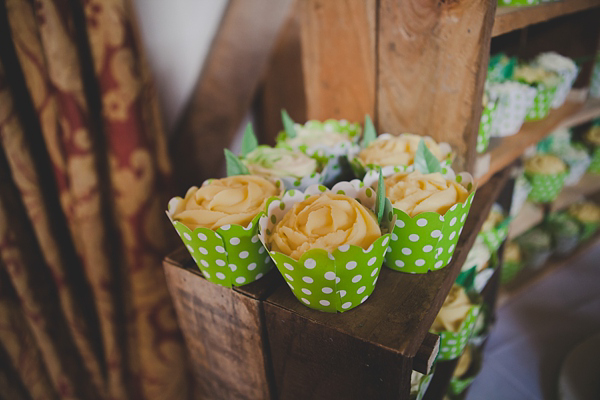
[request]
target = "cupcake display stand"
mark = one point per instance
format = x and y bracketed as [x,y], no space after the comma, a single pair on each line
[344,60]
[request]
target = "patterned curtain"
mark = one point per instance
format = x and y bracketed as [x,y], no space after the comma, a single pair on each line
[84,309]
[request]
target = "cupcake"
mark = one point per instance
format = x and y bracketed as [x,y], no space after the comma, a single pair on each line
[592,138]
[546,174]
[588,215]
[565,232]
[485,124]
[577,159]
[331,139]
[545,81]
[218,223]
[477,260]
[514,100]
[329,245]
[565,68]
[296,169]
[512,262]
[431,209]
[398,151]
[455,323]
[495,228]
[536,245]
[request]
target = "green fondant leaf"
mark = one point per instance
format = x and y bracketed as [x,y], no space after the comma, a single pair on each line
[249,141]
[370,134]
[425,161]
[235,166]
[380,199]
[288,124]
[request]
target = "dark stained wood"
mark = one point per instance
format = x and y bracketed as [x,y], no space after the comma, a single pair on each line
[427,353]
[223,330]
[397,317]
[512,18]
[432,59]
[338,58]
[283,85]
[221,99]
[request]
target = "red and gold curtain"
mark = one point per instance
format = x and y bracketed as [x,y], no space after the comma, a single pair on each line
[84,309]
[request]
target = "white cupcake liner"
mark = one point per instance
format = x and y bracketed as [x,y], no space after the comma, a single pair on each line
[514,100]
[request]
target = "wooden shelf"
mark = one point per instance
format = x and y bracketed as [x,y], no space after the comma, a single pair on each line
[531,214]
[526,278]
[504,151]
[509,19]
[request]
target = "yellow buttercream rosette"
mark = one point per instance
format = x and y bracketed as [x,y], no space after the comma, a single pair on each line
[415,193]
[324,221]
[455,323]
[388,150]
[586,212]
[545,164]
[328,243]
[232,200]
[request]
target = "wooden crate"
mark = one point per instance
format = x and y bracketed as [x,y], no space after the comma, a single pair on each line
[368,352]
[224,330]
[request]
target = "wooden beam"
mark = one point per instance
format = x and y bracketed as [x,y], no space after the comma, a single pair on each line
[338,58]
[231,74]
[432,59]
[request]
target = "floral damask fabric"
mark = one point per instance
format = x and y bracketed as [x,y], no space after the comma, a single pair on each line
[84,308]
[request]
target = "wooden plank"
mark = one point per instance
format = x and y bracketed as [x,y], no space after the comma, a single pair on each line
[226,88]
[338,58]
[509,19]
[397,317]
[432,59]
[504,151]
[283,84]
[425,357]
[529,216]
[225,336]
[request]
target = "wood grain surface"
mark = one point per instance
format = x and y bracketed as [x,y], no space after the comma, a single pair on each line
[432,63]
[222,97]
[338,58]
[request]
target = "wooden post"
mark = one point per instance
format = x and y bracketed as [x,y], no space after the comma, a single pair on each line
[223,330]
[432,59]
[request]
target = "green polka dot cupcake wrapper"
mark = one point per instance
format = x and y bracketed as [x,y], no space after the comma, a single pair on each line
[545,187]
[514,99]
[428,240]
[541,103]
[452,344]
[595,162]
[485,127]
[494,237]
[510,269]
[337,158]
[457,386]
[316,178]
[422,386]
[230,256]
[337,281]
[589,229]
[518,2]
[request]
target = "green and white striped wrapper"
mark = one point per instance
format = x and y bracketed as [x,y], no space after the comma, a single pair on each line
[452,344]
[545,187]
[542,103]
[510,269]
[426,242]
[594,167]
[337,281]
[514,99]
[485,126]
[516,3]
[230,256]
